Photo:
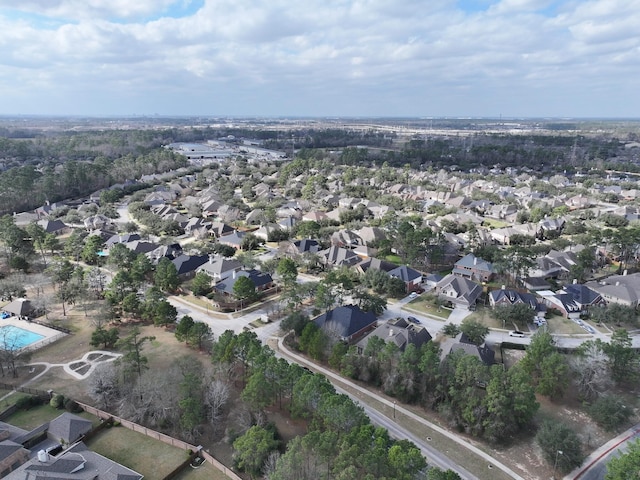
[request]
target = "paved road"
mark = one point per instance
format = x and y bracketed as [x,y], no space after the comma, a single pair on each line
[595,466]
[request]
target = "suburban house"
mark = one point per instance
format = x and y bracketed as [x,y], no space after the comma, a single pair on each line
[572,300]
[411,278]
[375,264]
[54,450]
[512,297]
[57,227]
[347,323]
[400,332]
[623,289]
[461,292]
[462,344]
[474,268]
[338,257]
[261,280]
[188,264]
[219,267]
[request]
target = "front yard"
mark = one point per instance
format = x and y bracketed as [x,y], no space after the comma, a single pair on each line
[425,307]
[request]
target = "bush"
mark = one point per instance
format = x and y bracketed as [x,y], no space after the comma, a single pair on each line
[72,406]
[25,403]
[57,401]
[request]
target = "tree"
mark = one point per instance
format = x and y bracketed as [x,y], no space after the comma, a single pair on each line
[201,284]
[244,289]
[253,448]
[518,314]
[164,313]
[251,242]
[132,345]
[166,275]
[120,256]
[626,465]
[224,250]
[474,330]
[191,402]
[38,236]
[183,327]
[92,245]
[199,334]
[623,360]
[554,437]
[217,395]
[610,412]
[434,473]
[105,338]
[370,302]
[295,321]
[104,384]
[287,270]
[547,367]
[450,330]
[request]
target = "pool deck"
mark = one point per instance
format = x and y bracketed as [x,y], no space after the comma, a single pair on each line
[49,334]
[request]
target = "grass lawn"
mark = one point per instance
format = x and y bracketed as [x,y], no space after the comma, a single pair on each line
[559,324]
[421,306]
[147,456]
[34,417]
[205,472]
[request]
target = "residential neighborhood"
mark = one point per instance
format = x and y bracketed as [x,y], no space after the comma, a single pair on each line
[361,268]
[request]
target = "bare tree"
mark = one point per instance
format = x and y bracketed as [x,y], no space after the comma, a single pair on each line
[12,352]
[217,397]
[104,384]
[590,371]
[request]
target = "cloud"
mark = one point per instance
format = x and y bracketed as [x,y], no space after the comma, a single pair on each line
[393,55]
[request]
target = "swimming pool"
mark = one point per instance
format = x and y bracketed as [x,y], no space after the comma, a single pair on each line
[15,338]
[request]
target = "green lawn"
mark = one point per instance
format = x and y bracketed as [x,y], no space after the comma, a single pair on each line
[147,456]
[204,472]
[420,306]
[34,417]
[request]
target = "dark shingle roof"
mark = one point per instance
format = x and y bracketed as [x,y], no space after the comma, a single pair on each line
[345,321]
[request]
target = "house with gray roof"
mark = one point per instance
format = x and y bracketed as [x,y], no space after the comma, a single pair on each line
[411,278]
[474,268]
[346,323]
[398,331]
[75,463]
[460,291]
[338,257]
[623,289]
[219,267]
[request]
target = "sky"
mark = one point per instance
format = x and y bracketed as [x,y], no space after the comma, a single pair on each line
[329,58]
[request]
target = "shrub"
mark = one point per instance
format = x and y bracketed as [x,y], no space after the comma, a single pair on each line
[57,401]
[72,406]
[25,403]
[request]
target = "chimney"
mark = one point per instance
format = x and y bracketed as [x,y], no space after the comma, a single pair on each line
[391,332]
[210,259]
[617,284]
[624,273]
[503,287]
[575,281]
[475,260]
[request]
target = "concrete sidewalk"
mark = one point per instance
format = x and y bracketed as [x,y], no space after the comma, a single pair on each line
[597,455]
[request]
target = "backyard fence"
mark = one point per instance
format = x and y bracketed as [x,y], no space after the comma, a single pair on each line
[160,436]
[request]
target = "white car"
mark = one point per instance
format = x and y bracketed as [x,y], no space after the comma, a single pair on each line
[516,333]
[413,295]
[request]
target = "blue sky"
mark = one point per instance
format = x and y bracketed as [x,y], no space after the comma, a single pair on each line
[515,58]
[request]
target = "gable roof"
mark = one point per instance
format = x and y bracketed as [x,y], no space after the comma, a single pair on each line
[400,332]
[188,263]
[477,263]
[258,278]
[406,274]
[68,427]
[345,321]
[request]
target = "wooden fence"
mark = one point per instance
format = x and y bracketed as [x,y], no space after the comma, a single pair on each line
[162,437]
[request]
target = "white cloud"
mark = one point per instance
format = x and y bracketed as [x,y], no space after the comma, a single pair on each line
[396,54]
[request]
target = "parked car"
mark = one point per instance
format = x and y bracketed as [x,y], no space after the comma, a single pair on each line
[516,333]
[413,320]
[413,295]
[4,315]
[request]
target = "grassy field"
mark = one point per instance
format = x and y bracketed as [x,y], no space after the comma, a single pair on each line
[147,456]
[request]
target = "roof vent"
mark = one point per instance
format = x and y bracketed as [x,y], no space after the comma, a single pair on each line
[43,457]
